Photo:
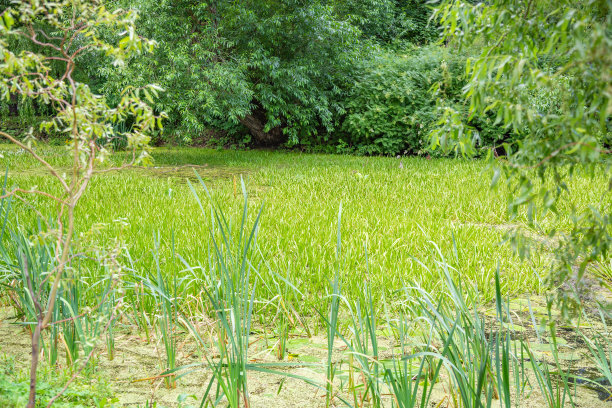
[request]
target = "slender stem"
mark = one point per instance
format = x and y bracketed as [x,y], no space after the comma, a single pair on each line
[37,157]
[41,193]
[34,363]
[61,267]
[35,337]
[73,192]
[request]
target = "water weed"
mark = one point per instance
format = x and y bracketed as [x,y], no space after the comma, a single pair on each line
[238,297]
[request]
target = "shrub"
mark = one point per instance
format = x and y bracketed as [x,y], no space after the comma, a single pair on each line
[391,107]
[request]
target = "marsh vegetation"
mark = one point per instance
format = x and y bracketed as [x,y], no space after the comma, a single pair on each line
[360,203]
[309,288]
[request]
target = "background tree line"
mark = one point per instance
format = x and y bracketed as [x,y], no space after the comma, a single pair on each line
[334,76]
[349,76]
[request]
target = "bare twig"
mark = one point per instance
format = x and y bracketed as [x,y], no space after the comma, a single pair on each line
[37,192]
[37,157]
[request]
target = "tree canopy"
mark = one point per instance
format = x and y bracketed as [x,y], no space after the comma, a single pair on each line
[543,69]
[278,68]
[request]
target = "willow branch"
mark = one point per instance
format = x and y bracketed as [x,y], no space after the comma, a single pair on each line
[37,192]
[547,158]
[32,37]
[77,30]
[37,157]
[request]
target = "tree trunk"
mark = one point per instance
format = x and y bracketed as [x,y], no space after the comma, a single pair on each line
[256,127]
[14,105]
[34,365]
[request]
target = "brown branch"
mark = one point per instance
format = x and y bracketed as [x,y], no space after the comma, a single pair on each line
[35,339]
[88,175]
[528,8]
[49,275]
[157,377]
[56,59]
[63,261]
[76,192]
[118,168]
[71,319]
[47,91]
[73,36]
[42,193]
[30,287]
[63,247]
[78,51]
[113,316]
[32,37]
[37,157]
[48,37]
[15,77]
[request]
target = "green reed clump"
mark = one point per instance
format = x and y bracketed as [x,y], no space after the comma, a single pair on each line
[363,345]
[483,359]
[601,352]
[165,292]
[555,384]
[599,345]
[231,292]
[84,310]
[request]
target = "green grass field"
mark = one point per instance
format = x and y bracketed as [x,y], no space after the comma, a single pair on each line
[404,224]
[394,212]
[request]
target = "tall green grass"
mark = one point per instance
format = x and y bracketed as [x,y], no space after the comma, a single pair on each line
[427,297]
[397,211]
[164,291]
[84,310]
[232,295]
[600,347]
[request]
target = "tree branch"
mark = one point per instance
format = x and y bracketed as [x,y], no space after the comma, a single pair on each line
[38,192]
[37,157]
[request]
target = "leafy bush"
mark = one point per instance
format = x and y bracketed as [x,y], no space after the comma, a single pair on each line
[271,69]
[391,107]
[20,116]
[15,386]
[387,21]
[394,103]
[262,72]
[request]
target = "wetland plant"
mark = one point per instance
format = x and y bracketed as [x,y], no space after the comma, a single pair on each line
[484,359]
[363,346]
[232,296]
[166,297]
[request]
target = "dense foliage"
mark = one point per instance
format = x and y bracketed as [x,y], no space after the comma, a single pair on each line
[389,21]
[326,75]
[525,82]
[544,71]
[390,108]
[274,68]
[274,72]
